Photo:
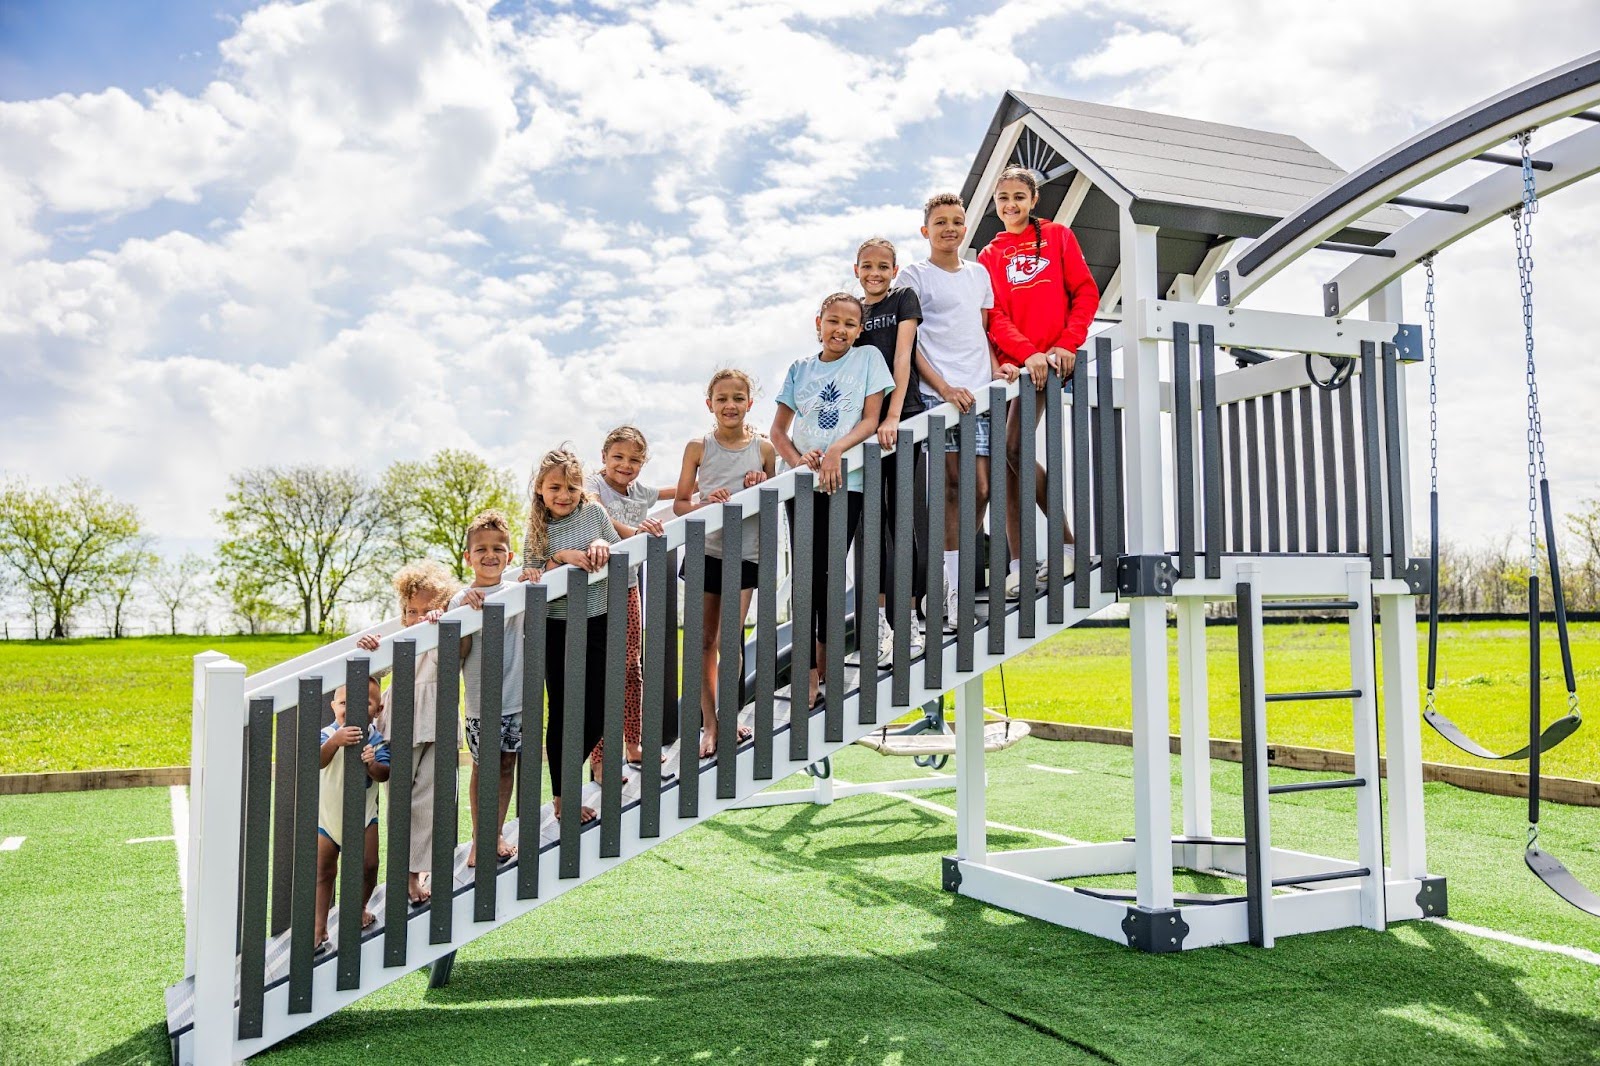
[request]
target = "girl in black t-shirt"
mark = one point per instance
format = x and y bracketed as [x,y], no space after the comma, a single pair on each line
[889,323]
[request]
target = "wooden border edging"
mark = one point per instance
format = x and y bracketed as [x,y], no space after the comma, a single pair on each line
[1578,793]
[93,780]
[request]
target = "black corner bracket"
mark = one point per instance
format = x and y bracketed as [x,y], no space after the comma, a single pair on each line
[1159,932]
[1408,342]
[952,874]
[1330,299]
[1433,897]
[1145,575]
[1418,576]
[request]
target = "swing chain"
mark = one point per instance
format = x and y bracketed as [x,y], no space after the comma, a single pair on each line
[1433,384]
[1522,226]
[1533,836]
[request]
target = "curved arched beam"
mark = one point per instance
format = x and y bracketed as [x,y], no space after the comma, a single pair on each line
[1555,94]
[1573,159]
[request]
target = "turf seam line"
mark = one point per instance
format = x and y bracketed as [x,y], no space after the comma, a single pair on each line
[1580,954]
[949,812]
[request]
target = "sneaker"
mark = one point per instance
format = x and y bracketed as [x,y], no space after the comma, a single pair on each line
[885,646]
[952,606]
[919,643]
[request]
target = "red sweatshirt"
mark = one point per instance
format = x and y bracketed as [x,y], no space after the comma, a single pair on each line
[1043,298]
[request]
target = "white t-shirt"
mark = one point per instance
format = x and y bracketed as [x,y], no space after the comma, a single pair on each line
[952,334]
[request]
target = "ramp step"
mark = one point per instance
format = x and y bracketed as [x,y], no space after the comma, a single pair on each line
[1309,605]
[1302,697]
[1318,786]
[1311,879]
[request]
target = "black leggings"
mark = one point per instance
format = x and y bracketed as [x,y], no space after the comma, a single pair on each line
[821,505]
[594,690]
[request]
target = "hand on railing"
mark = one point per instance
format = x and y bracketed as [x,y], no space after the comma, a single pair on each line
[888,428]
[751,479]
[960,399]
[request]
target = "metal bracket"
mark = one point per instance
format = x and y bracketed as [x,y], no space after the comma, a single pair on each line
[1159,932]
[952,874]
[1408,342]
[1434,899]
[1224,288]
[1330,299]
[1418,576]
[1145,575]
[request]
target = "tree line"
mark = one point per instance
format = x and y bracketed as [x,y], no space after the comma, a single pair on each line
[302,544]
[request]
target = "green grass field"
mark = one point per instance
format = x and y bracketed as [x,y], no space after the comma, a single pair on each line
[807,935]
[84,704]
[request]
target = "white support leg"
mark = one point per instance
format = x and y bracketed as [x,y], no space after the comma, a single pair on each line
[1194,724]
[1403,736]
[197,747]
[1147,617]
[216,876]
[1369,809]
[972,838]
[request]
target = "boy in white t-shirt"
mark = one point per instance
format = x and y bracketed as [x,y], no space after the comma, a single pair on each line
[953,355]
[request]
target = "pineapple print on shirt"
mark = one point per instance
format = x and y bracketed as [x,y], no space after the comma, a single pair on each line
[828,407]
[827,398]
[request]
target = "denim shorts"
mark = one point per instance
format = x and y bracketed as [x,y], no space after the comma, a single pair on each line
[510,734]
[952,436]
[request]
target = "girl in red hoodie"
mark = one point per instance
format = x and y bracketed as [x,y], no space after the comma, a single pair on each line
[1044,301]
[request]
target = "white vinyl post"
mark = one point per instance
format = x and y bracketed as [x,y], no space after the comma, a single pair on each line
[197,744]
[1369,808]
[215,878]
[972,838]
[1147,616]
[1402,721]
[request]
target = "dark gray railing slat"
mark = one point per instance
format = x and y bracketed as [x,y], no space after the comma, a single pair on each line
[1372,456]
[801,530]
[903,563]
[572,712]
[303,902]
[1352,476]
[660,640]
[1027,495]
[1256,889]
[354,826]
[1330,472]
[1269,458]
[766,631]
[967,540]
[730,652]
[690,713]
[999,551]
[530,763]
[869,577]
[488,651]
[1083,523]
[1291,481]
[612,763]
[446,780]
[1308,465]
[257,867]
[1055,500]
[402,772]
[1395,456]
[670,720]
[1108,504]
[934,600]
[1183,446]
[1211,453]
[1236,490]
[283,806]
[833,624]
[1119,438]
[1252,459]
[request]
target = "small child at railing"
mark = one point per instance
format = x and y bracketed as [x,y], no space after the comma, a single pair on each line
[828,405]
[617,488]
[330,804]
[489,554]
[733,456]
[566,527]
[422,587]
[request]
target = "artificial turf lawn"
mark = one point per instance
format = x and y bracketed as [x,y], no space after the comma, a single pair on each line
[819,934]
[81,704]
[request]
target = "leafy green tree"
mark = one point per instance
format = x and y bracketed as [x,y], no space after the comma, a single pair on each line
[252,602]
[62,543]
[179,583]
[428,504]
[310,531]
[124,571]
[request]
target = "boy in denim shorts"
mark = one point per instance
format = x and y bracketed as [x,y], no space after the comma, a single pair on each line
[953,359]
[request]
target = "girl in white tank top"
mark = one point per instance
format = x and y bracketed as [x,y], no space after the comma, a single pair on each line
[727,460]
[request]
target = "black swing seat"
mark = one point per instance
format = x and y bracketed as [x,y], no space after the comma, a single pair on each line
[1553,734]
[1547,868]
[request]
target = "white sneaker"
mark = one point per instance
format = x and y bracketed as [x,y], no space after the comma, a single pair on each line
[952,606]
[919,643]
[885,646]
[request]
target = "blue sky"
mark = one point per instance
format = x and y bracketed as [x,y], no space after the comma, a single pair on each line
[234,234]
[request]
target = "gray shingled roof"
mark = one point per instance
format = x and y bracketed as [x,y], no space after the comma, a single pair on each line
[1200,164]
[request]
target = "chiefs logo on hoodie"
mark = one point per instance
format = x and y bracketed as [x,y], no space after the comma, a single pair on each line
[1023,268]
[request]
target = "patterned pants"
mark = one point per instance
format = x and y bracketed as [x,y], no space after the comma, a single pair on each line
[633,683]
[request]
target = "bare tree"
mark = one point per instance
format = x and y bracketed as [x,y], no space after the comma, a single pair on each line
[123,573]
[177,584]
[429,504]
[62,543]
[309,530]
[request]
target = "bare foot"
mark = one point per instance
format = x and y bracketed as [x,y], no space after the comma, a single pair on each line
[633,752]
[504,849]
[416,891]
[745,733]
[585,814]
[472,854]
[708,743]
[367,919]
